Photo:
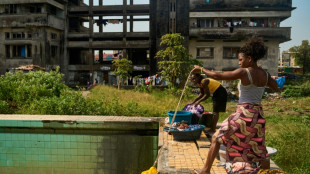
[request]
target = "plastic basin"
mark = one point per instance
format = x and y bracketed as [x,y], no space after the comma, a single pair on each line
[180,116]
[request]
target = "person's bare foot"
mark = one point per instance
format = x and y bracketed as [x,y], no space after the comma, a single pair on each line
[199,171]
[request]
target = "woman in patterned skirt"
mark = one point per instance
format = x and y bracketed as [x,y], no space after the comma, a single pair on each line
[243,132]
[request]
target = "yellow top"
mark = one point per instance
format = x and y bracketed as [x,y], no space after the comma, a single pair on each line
[213,84]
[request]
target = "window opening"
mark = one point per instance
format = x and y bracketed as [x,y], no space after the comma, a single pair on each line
[230,52]
[53,51]
[53,36]
[7,35]
[7,51]
[205,52]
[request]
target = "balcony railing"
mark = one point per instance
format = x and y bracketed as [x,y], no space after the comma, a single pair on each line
[281,33]
[26,20]
[107,35]
[240,5]
[109,44]
[110,10]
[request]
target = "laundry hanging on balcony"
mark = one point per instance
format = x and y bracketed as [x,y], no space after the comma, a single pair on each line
[101,22]
[108,21]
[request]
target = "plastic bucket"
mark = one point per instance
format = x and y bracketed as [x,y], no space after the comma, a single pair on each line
[206,119]
[180,116]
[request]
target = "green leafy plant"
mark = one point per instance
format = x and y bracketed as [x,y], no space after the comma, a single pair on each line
[39,92]
[123,68]
[4,107]
[302,55]
[174,61]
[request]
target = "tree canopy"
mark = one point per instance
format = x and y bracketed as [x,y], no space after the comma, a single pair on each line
[123,68]
[302,55]
[174,60]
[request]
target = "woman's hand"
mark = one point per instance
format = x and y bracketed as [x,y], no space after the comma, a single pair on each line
[197,69]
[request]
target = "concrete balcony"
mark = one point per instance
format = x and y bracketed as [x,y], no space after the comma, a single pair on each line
[104,67]
[116,10]
[281,33]
[108,35]
[240,5]
[109,44]
[28,20]
[59,4]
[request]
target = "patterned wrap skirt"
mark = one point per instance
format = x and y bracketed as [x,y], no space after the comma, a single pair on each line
[243,134]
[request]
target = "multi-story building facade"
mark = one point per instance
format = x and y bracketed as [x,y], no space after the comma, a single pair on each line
[83,37]
[218,28]
[287,59]
[31,32]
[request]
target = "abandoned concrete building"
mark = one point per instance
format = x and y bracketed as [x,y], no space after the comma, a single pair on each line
[84,36]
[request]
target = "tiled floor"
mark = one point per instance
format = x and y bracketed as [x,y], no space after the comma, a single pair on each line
[184,156]
[181,157]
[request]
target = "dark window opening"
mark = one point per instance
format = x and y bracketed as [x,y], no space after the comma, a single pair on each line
[35,9]
[230,52]
[17,51]
[18,35]
[7,51]
[13,8]
[53,51]
[23,51]
[53,36]
[205,52]
[29,52]
[205,23]
[7,35]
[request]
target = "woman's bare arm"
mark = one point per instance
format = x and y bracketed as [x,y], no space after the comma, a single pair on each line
[228,75]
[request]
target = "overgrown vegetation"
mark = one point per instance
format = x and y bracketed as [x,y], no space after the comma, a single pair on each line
[297,88]
[39,93]
[45,93]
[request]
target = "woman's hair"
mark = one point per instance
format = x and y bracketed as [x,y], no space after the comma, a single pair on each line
[254,48]
[197,75]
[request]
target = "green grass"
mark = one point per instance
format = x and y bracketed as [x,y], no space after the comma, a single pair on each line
[45,93]
[286,129]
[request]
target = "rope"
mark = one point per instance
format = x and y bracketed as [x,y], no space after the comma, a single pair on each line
[176,109]
[153,168]
[158,153]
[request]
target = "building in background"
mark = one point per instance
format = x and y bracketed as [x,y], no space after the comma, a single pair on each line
[219,28]
[32,32]
[83,37]
[287,59]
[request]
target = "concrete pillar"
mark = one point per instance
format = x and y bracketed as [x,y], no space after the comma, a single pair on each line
[124,27]
[131,18]
[91,31]
[65,62]
[100,18]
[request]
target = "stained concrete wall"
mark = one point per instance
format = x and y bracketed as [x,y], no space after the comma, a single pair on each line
[239,4]
[218,63]
[76,144]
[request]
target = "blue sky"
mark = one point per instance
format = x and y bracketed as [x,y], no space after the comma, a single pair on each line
[300,23]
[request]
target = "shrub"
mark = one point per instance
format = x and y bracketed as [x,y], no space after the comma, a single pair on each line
[39,92]
[68,103]
[299,89]
[4,107]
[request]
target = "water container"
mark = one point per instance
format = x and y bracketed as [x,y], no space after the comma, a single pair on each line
[180,116]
